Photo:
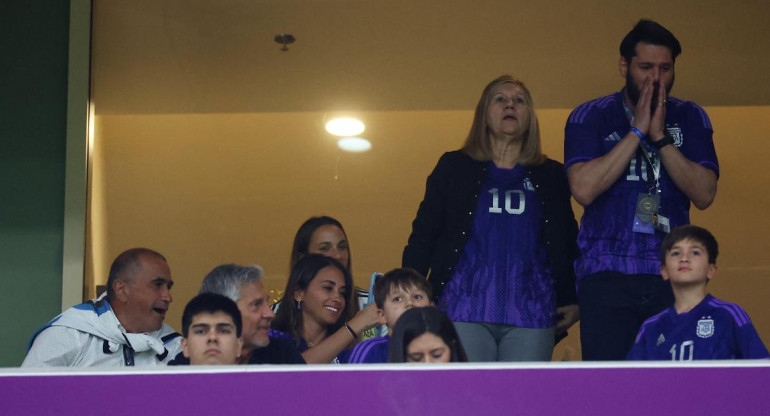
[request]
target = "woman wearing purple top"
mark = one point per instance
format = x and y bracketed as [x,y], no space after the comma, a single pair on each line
[495,234]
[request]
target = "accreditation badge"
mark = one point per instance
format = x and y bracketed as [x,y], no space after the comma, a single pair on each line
[646,209]
[661,223]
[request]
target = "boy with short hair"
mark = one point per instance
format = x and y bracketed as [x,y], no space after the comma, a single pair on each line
[394,292]
[698,326]
[211,325]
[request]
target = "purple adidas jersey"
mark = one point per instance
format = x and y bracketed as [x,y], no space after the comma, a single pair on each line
[713,330]
[370,351]
[607,241]
[502,276]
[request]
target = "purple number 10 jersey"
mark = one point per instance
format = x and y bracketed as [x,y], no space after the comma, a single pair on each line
[713,330]
[607,241]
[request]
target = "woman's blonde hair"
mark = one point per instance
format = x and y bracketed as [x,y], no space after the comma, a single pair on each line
[478,145]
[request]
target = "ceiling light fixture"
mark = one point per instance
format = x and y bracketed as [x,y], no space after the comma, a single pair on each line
[345,126]
[354,144]
[284,39]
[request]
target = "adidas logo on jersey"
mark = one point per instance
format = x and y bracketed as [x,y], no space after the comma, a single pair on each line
[661,339]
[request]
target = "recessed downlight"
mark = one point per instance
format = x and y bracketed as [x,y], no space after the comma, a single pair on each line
[345,126]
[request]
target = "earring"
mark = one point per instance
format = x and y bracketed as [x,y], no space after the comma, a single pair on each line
[299,304]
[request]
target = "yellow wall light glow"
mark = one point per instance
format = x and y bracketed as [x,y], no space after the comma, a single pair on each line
[354,144]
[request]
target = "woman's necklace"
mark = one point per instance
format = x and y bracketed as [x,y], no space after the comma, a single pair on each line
[313,333]
[311,344]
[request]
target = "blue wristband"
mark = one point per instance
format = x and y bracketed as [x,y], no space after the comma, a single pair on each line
[637,132]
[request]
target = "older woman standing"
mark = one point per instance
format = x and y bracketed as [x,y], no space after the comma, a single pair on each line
[495,234]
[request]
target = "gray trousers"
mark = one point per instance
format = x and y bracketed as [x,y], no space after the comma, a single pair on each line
[494,342]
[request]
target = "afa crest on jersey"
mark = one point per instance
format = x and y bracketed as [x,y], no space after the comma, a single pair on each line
[705,327]
[528,185]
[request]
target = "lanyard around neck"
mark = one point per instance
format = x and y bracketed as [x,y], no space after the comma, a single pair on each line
[649,155]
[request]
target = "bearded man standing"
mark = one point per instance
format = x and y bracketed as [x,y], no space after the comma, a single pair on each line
[635,160]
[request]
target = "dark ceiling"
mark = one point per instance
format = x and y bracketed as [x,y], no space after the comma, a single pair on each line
[206,56]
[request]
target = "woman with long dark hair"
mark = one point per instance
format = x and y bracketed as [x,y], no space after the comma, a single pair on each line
[325,235]
[316,310]
[425,335]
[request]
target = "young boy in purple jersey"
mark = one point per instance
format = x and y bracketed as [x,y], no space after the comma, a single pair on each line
[698,326]
[394,293]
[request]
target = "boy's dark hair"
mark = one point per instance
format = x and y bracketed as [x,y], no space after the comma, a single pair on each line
[398,278]
[647,31]
[694,233]
[210,303]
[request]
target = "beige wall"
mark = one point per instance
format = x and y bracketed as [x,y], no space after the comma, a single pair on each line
[206,189]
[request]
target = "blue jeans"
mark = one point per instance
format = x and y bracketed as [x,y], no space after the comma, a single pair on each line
[613,307]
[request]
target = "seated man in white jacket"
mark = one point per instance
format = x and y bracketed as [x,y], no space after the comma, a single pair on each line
[122,328]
